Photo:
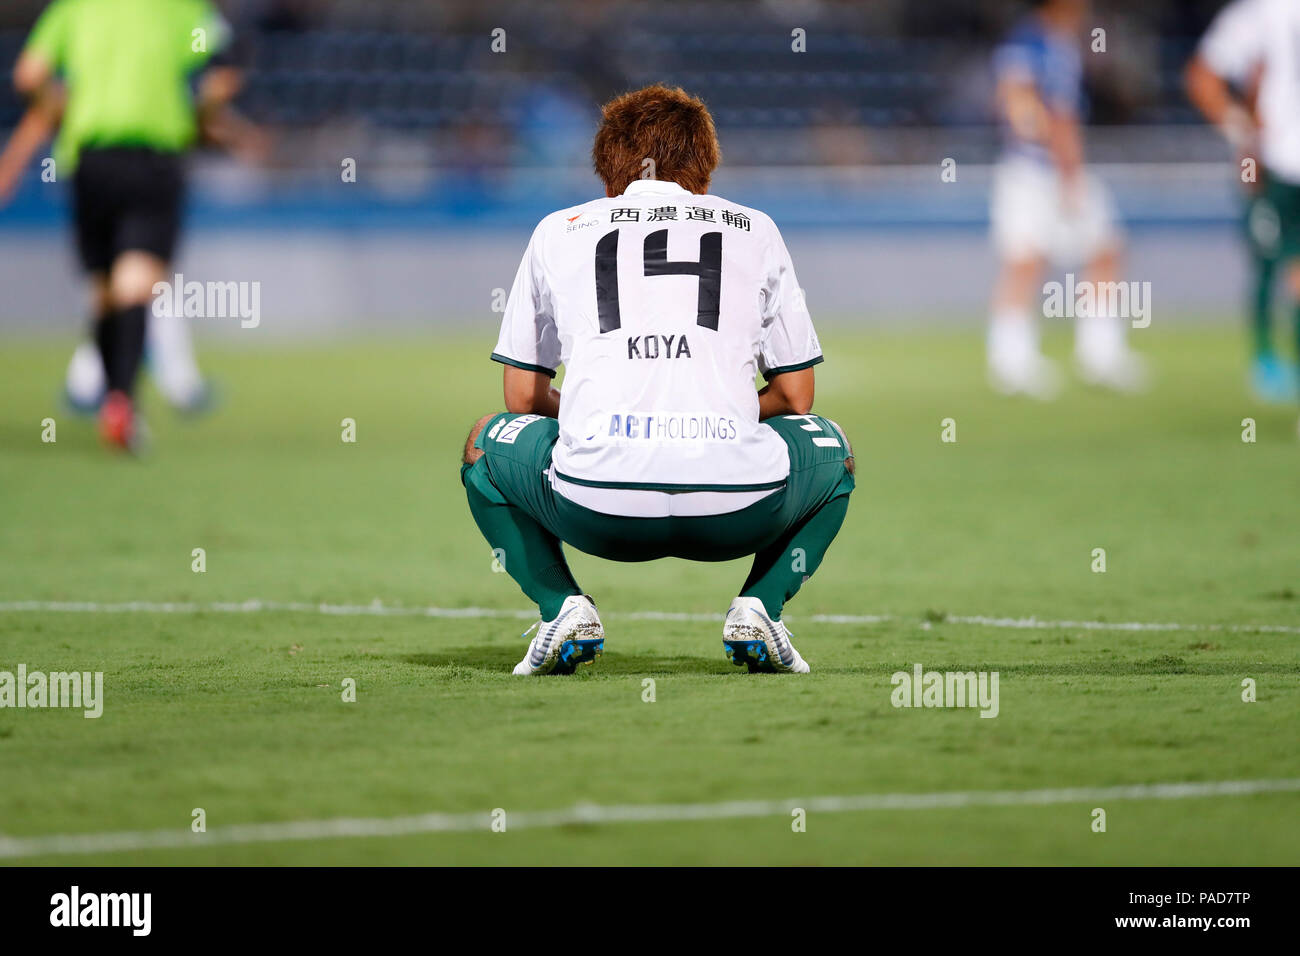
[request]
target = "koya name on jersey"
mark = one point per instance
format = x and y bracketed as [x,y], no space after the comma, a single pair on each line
[648,346]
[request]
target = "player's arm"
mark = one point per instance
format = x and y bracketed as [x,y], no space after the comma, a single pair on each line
[530,393]
[33,130]
[1226,64]
[42,55]
[220,81]
[1065,143]
[1213,96]
[35,81]
[220,123]
[1035,120]
[1023,109]
[529,344]
[218,87]
[788,347]
[33,73]
[790,393]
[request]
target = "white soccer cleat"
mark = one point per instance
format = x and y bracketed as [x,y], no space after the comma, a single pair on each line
[1031,375]
[170,354]
[559,646]
[750,637]
[1016,366]
[1124,371]
[85,383]
[1103,359]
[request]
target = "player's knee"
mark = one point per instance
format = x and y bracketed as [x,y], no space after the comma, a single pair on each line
[133,279]
[472,454]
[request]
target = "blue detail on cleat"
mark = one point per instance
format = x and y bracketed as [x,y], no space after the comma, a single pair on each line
[577,651]
[202,403]
[751,653]
[1273,380]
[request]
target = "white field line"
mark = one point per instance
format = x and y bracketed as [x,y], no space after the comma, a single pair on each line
[379,609]
[1036,623]
[593,814]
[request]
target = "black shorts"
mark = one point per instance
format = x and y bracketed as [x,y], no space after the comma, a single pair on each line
[126,198]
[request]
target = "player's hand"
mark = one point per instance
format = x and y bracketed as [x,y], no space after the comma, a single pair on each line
[254,145]
[1072,193]
[9,179]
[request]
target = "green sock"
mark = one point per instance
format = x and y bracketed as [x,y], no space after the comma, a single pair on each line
[780,569]
[530,554]
[1296,328]
[1261,306]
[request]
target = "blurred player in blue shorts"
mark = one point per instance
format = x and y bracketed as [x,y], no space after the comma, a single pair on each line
[1047,209]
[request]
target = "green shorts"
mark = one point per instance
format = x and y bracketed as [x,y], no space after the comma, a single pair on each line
[1273,220]
[513,472]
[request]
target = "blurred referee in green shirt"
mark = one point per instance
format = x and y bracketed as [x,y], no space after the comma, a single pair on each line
[119,71]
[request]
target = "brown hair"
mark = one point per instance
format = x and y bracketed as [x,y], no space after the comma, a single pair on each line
[664,124]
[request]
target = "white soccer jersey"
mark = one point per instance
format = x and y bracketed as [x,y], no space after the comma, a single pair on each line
[1265,35]
[661,305]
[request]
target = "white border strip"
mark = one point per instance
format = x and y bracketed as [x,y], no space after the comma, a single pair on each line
[592,814]
[379,609]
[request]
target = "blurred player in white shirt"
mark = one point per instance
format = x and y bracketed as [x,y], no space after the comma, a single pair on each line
[1046,208]
[1254,45]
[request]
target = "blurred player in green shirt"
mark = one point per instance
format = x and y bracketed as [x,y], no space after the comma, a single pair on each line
[118,73]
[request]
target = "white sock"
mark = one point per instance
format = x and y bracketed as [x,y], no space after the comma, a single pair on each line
[171,358]
[1098,337]
[85,380]
[1013,337]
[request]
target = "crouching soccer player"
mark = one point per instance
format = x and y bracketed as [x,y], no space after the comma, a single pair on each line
[661,302]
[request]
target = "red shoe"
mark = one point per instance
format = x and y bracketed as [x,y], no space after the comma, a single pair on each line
[117,420]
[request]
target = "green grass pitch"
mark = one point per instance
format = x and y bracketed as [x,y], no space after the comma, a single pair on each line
[241,714]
